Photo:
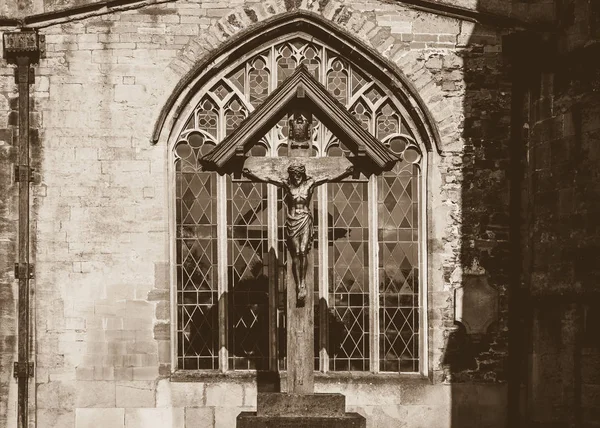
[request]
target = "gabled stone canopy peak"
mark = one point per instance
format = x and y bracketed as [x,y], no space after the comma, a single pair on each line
[302,90]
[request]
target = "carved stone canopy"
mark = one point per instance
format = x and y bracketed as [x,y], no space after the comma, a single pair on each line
[301,92]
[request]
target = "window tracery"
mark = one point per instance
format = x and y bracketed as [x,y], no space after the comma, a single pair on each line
[365,271]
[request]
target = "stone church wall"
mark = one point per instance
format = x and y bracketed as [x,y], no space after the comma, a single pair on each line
[8,237]
[563,215]
[101,247]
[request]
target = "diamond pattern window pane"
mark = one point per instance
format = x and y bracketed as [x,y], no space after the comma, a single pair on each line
[197,320]
[358,81]
[282,274]
[374,94]
[238,78]
[399,304]
[247,270]
[348,276]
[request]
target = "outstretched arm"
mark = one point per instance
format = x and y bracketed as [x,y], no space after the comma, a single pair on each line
[264,176]
[334,175]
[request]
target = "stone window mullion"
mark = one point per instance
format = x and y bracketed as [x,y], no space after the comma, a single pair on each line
[373,279]
[223,309]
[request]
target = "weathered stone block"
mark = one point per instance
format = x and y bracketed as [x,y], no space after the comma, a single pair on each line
[56,395]
[439,395]
[226,417]
[55,418]
[145,373]
[429,416]
[91,418]
[154,418]
[135,394]
[95,394]
[364,393]
[432,24]
[187,394]
[199,417]
[382,416]
[224,394]
[250,395]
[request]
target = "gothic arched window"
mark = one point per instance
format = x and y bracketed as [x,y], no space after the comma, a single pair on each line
[229,243]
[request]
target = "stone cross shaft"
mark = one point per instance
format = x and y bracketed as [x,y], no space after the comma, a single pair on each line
[298,175]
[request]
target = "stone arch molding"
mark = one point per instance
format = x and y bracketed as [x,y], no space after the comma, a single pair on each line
[236,37]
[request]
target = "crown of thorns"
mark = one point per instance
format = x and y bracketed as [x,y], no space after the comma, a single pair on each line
[297,168]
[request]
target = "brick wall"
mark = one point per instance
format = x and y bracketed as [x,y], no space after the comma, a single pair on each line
[102,318]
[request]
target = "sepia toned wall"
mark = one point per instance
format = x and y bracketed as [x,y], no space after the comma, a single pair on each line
[102,322]
[562,216]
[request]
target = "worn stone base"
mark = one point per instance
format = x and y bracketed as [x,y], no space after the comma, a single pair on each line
[288,404]
[348,420]
[285,410]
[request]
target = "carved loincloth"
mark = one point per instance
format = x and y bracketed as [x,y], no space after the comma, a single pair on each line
[300,225]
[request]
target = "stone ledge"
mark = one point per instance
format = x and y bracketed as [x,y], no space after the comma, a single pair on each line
[320,378]
[348,420]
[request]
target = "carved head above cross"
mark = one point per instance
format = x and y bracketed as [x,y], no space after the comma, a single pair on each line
[300,133]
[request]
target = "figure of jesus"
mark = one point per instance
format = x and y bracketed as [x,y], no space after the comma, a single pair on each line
[298,190]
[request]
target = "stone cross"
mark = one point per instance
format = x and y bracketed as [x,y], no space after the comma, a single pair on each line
[298,175]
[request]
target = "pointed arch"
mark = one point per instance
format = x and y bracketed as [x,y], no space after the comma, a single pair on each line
[301,22]
[375,218]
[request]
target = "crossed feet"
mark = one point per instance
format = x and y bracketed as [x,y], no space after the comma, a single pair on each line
[301,294]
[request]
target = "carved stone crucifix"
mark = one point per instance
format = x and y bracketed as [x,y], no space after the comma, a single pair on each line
[298,175]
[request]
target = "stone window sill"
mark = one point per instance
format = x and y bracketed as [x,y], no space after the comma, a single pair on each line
[320,378]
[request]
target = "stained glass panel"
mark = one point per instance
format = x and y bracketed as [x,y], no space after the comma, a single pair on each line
[358,81]
[221,91]
[259,82]
[286,64]
[234,115]
[311,60]
[238,78]
[282,274]
[207,116]
[248,282]
[337,81]
[387,121]
[399,268]
[348,276]
[361,113]
[198,329]
[374,94]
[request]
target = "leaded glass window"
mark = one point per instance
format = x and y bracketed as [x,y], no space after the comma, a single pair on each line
[229,245]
